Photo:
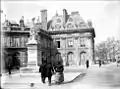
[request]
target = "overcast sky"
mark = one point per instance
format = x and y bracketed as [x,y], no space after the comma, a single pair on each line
[105,15]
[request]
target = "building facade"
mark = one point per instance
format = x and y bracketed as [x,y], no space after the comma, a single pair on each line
[68,35]
[15,39]
[74,38]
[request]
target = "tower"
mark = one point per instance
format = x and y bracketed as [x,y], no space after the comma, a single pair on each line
[64,16]
[44,19]
[22,21]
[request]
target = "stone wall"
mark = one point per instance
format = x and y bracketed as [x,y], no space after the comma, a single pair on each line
[76,50]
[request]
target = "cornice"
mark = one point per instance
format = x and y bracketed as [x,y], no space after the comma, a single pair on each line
[72,31]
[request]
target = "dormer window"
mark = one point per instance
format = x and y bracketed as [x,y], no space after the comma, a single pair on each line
[58,20]
[70,25]
[57,26]
[82,24]
[70,19]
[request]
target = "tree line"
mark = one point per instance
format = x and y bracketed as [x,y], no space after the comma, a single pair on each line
[107,50]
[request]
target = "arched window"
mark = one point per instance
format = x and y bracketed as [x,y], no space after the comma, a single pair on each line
[70,59]
[82,58]
[82,24]
[70,25]
[58,20]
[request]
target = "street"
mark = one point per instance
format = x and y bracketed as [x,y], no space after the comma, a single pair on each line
[105,77]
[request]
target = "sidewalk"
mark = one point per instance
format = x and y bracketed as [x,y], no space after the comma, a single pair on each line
[23,82]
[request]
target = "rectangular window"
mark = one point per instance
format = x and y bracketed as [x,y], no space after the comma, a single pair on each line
[70,42]
[58,44]
[82,42]
[22,41]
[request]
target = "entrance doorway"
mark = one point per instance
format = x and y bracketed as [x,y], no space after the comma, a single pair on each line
[70,59]
[82,58]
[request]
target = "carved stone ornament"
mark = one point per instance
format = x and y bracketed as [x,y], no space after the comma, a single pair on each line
[32,39]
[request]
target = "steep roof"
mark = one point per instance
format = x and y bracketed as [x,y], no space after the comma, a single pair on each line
[74,20]
[49,24]
[12,22]
[77,20]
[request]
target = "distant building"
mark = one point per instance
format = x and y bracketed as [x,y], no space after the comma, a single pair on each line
[68,35]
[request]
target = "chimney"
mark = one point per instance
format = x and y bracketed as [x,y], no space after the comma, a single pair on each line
[44,19]
[89,23]
[22,21]
[64,16]
[75,13]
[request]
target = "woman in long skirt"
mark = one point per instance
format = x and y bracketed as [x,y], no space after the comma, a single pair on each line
[59,76]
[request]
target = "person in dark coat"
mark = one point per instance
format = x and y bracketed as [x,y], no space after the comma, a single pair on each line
[49,71]
[46,70]
[9,65]
[9,69]
[100,63]
[42,69]
[87,64]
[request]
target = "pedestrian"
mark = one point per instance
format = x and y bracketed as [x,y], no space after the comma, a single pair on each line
[9,65]
[42,70]
[87,64]
[59,76]
[118,60]
[49,71]
[46,70]
[9,69]
[100,63]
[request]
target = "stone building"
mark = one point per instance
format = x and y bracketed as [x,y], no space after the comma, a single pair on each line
[15,39]
[74,38]
[66,37]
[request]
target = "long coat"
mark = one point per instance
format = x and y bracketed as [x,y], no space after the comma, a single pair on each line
[46,70]
[49,70]
[42,69]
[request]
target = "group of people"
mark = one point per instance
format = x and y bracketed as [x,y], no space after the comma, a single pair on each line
[47,69]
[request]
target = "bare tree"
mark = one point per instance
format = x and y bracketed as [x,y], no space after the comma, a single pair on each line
[113,46]
[101,51]
[108,49]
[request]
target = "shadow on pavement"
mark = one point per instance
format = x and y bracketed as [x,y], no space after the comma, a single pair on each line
[77,78]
